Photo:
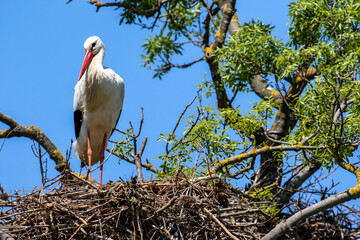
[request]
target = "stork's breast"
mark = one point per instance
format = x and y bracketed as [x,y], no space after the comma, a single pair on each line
[103,108]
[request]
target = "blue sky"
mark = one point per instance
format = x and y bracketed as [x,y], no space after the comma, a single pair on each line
[41,55]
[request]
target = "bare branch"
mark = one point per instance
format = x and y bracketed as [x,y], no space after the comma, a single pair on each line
[178,122]
[168,65]
[334,200]
[232,236]
[291,186]
[147,166]
[137,159]
[142,147]
[34,133]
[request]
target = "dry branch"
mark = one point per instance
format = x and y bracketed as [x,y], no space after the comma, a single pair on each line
[152,210]
[221,225]
[123,210]
[147,166]
[34,133]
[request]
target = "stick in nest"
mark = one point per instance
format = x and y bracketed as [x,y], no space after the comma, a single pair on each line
[220,224]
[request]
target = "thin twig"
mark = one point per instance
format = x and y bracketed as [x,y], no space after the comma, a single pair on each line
[220,224]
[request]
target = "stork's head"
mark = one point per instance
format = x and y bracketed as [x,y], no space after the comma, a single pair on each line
[93,45]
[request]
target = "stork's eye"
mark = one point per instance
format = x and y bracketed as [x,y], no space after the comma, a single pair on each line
[93,45]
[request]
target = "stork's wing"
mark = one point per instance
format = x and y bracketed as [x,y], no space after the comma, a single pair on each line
[78,118]
[78,105]
[119,93]
[116,123]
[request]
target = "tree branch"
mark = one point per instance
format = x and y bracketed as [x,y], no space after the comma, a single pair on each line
[34,133]
[253,153]
[137,159]
[263,90]
[228,11]
[285,119]
[290,187]
[349,167]
[168,65]
[334,200]
[232,236]
[129,6]
[4,232]
[147,166]
[222,100]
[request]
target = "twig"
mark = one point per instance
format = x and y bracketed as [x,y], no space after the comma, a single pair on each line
[220,224]
[147,166]
[171,202]
[137,159]
[83,224]
[178,121]
[83,180]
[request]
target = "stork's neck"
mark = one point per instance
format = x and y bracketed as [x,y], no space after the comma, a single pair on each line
[93,80]
[96,68]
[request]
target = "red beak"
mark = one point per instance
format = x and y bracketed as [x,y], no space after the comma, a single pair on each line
[87,59]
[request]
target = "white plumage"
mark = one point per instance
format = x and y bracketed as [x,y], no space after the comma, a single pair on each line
[98,101]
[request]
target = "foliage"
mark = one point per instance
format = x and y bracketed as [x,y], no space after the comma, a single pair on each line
[125,146]
[306,116]
[308,86]
[325,37]
[329,106]
[179,21]
[206,140]
[251,50]
[127,14]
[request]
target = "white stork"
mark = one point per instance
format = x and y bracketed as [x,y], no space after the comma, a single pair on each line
[98,101]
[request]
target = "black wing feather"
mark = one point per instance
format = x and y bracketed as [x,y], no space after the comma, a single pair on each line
[78,119]
[116,123]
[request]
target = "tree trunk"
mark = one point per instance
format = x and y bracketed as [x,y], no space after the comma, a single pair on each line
[269,172]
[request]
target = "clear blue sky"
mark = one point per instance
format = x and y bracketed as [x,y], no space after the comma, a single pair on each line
[41,55]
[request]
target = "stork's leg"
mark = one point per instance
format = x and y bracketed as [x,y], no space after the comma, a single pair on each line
[89,153]
[102,156]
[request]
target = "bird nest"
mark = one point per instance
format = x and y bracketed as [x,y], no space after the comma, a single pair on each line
[175,208]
